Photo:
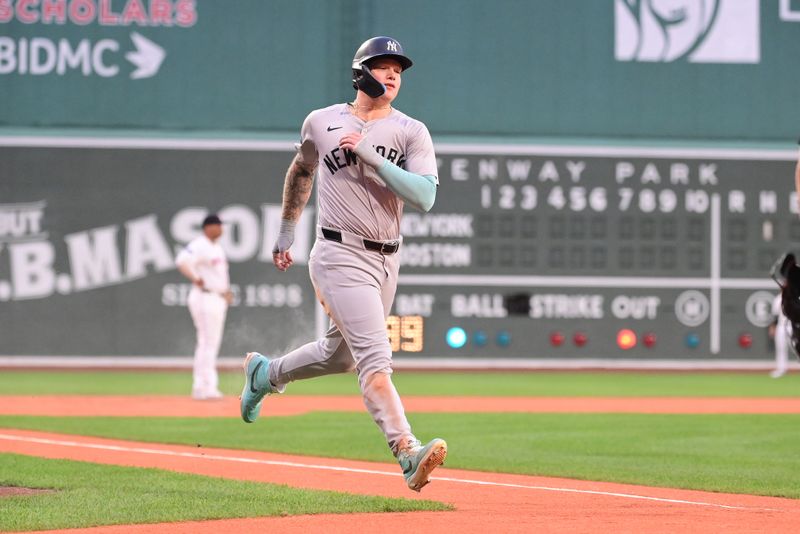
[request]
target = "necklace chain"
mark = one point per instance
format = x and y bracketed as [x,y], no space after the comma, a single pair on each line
[365,108]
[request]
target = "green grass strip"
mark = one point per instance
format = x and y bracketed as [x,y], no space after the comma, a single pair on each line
[510,384]
[751,454]
[89,494]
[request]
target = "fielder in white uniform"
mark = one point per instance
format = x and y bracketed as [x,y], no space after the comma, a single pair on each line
[781,332]
[372,159]
[786,272]
[204,263]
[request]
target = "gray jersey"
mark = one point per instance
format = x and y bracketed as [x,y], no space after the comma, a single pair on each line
[350,195]
[355,278]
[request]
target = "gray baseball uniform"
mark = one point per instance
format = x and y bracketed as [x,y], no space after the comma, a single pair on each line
[354,282]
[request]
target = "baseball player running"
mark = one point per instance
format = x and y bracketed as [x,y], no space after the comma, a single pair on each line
[204,263]
[372,160]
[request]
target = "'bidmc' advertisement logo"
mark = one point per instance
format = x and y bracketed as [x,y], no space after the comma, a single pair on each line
[697,31]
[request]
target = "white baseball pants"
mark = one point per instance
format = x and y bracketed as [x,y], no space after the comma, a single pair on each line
[782,335]
[208,312]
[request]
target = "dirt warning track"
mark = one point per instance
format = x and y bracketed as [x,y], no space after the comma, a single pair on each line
[174,406]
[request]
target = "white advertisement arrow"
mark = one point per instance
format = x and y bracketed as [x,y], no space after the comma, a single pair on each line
[146,58]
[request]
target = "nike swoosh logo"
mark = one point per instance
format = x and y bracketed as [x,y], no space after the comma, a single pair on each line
[331,128]
[406,465]
[253,377]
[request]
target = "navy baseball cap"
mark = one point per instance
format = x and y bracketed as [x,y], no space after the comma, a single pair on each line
[211,219]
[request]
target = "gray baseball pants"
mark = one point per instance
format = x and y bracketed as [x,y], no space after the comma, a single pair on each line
[356,287]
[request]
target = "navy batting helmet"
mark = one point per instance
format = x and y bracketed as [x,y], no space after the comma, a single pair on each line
[372,49]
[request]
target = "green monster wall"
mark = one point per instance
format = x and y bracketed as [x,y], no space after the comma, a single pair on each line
[605,165]
[724,69]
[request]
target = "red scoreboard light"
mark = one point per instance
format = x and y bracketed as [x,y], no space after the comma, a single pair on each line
[580,339]
[649,340]
[556,339]
[626,339]
[745,340]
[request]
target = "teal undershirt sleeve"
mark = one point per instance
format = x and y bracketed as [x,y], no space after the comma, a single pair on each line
[417,190]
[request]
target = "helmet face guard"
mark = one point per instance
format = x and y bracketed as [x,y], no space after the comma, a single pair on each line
[363,80]
[374,48]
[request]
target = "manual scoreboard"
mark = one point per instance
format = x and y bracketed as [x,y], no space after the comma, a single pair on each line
[570,252]
[530,252]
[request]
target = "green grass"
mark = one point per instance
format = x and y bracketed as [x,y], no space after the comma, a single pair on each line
[545,383]
[752,454]
[88,494]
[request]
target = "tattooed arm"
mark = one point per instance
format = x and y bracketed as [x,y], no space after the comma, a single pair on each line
[297,189]
[296,192]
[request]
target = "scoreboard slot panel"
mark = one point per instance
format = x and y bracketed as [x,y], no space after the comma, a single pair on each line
[675,250]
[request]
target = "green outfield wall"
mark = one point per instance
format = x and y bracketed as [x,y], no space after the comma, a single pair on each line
[532,253]
[715,69]
[605,165]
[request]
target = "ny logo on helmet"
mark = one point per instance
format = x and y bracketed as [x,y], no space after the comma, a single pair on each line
[391,45]
[697,31]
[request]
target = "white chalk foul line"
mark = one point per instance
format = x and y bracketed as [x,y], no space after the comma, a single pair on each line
[65,443]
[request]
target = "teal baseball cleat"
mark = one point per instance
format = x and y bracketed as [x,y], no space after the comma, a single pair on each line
[256,385]
[417,461]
